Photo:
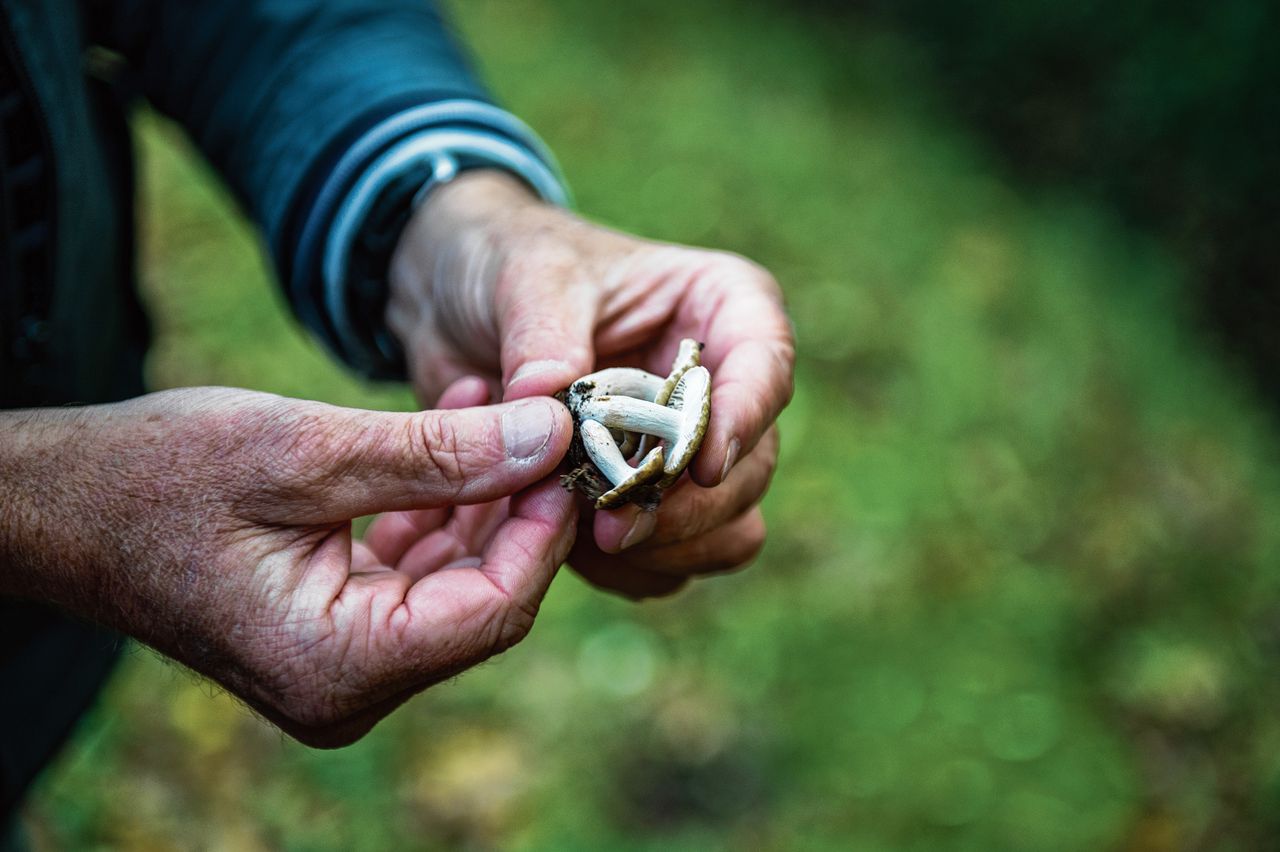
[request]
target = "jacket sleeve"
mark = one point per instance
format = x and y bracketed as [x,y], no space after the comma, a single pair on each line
[313,111]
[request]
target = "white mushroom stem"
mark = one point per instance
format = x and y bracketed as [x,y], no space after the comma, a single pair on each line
[634,415]
[682,428]
[604,452]
[620,381]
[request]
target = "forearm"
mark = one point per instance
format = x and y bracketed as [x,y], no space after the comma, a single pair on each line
[86,497]
[440,273]
[79,501]
[326,117]
[463,266]
[40,501]
[266,87]
[214,525]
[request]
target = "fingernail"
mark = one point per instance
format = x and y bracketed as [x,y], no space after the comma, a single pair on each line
[527,428]
[730,456]
[534,368]
[641,528]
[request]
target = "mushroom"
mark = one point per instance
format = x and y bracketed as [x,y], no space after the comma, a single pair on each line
[606,456]
[682,425]
[619,381]
[688,356]
[618,408]
[625,381]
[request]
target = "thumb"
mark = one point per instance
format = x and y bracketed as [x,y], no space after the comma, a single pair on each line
[382,462]
[546,327]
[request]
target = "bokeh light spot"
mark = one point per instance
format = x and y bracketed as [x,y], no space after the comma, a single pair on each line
[618,660]
[1023,727]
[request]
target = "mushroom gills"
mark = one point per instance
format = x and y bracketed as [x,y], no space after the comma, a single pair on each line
[692,397]
[682,428]
[688,356]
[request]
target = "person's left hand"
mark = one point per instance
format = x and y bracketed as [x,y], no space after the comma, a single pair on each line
[487,281]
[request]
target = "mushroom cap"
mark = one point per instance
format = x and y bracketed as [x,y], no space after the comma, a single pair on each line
[688,355]
[692,397]
[618,381]
[649,469]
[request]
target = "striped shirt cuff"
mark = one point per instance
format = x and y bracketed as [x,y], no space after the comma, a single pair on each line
[398,162]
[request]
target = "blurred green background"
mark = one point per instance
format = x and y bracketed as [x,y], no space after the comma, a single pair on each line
[1021,590]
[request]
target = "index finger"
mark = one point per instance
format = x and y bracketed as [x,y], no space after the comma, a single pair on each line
[750,351]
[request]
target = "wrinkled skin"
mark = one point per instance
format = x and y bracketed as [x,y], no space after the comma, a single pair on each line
[518,299]
[215,525]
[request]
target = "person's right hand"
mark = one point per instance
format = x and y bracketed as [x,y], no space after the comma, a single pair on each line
[488,281]
[214,524]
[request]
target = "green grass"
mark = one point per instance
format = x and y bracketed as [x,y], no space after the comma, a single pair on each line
[1021,583]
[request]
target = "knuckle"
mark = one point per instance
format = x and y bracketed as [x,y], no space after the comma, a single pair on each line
[682,521]
[752,545]
[747,545]
[784,354]
[768,466]
[533,328]
[743,268]
[734,548]
[545,264]
[442,450]
[500,624]
[516,624]
[689,512]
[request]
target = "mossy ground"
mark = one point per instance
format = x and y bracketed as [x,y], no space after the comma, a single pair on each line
[1021,587]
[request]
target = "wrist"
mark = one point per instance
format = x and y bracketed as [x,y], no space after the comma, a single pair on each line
[474,198]
[447,260]
[465,212]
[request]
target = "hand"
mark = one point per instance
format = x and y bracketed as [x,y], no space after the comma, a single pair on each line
[418,543]
[487,280]
[215,525]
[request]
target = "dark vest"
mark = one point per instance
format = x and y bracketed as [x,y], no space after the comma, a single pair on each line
[71,330]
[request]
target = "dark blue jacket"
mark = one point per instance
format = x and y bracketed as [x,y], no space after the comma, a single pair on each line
[302,106]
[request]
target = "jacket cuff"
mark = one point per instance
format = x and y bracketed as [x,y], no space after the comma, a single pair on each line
[339,282]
